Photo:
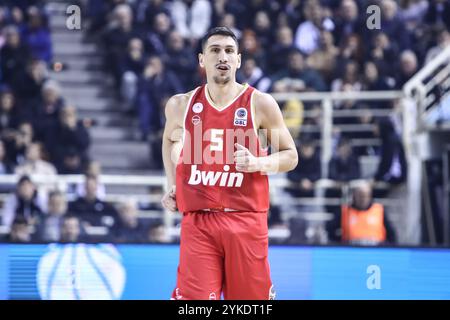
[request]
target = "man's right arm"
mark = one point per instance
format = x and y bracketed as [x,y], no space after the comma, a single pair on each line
[172,136]
[172,145]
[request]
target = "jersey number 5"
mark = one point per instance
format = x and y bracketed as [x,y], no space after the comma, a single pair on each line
[216,139]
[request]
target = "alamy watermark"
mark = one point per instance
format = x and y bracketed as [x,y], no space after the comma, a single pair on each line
[373,282]
[373,22]
[73,21]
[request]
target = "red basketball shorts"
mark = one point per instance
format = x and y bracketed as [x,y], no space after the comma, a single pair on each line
[224,252]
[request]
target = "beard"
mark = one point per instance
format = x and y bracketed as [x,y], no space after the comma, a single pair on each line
[221,79]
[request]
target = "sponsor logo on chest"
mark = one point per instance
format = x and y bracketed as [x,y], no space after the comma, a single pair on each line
[215,178]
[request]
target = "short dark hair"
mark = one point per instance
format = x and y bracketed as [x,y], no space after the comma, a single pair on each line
[55,193]
[71,215]
[294,51]
[343,141]
[222,31]
[23,179]
[90,176]
[20,220]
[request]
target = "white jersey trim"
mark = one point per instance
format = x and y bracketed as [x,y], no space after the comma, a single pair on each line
[246,86]
[253,112]
[186,113]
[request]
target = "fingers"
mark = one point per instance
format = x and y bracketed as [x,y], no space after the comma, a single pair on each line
[170,205]
[240,153]
[169,201]
[240,147]
[242,161]
[243,168]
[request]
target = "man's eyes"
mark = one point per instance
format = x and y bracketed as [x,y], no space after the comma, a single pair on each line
[215,50]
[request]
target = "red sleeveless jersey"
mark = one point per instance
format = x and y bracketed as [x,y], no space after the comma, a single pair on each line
[206,176]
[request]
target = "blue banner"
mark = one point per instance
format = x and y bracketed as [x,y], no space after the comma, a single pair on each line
[106,271]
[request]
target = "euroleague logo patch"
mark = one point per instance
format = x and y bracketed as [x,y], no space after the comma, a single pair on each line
[240,117]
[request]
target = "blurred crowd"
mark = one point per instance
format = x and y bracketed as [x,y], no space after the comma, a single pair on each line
[286,46]
[40,132]
[151,49]
[79,214]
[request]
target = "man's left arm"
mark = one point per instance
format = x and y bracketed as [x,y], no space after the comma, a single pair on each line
[284,155]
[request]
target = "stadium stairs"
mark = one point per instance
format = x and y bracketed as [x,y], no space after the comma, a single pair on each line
[86,85]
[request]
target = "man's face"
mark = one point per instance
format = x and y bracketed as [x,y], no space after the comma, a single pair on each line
[249,67]
[34,19]
[344,151]
[70,229]
[317,15]
[349,10]
[162,23]
[26,190]
[94,168]
[249,43]
[388,9]
[50,96]
[176,42]
[408,65]
[68,115]
[135,47]
[124,18]
[13,39]
[285,37]
[91,188]
[128,214]
[72,161]
[362,196]
[7,101]
[326,38]
[371,71]
[20,233]
[33,152]
[26,133]
[156,64]
[157,234]
[307,151]
[262,21]
[296,62]
[57,205]
[221,59]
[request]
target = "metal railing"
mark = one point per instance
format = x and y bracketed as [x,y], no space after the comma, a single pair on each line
[424,94]
[429,86]
[326,99]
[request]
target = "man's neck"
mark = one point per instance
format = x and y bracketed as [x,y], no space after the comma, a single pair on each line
[222,95]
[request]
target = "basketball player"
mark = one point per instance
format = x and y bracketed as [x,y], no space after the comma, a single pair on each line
[217,168]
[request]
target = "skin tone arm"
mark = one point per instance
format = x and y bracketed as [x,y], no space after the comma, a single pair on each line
[171,145]
[284,155]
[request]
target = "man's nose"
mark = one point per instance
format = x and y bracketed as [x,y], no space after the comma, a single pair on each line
[222,56]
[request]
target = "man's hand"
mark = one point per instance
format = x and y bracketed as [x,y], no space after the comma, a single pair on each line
[245,161]
[169,200]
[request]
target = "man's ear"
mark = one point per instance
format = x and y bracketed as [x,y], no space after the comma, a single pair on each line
[200,60]
[239,61]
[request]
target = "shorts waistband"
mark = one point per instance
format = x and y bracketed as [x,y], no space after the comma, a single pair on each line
[218,210]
